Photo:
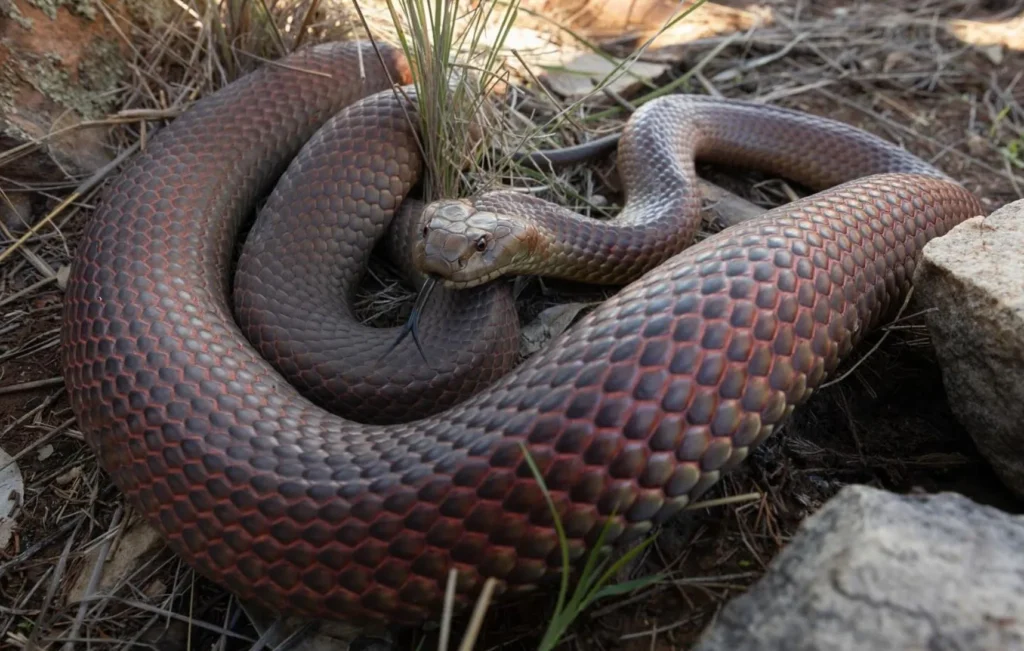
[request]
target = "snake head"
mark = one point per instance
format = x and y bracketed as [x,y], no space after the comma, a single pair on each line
[465,247]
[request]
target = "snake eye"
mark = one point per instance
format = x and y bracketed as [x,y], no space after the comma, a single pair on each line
[426,231]
[481,244]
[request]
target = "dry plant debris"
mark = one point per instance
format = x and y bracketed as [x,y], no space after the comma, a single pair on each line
[898,68]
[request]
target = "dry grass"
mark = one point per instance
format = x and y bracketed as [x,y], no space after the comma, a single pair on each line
[889,67]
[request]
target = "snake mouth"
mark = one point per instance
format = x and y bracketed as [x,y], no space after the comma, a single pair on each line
[455,283]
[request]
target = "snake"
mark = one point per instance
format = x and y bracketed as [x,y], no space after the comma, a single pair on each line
[632,414]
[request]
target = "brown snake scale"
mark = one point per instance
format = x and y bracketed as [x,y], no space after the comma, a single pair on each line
[637,410]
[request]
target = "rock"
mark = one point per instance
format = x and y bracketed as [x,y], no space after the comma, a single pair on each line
[873,570]
[973,277]
[137,543]
[61,64]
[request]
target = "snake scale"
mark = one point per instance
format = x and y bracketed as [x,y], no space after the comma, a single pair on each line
[630,415]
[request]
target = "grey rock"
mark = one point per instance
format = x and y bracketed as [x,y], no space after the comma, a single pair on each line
[872,571]
[973,277]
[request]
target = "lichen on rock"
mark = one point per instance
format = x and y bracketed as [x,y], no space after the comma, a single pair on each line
[83,8]
[10,11]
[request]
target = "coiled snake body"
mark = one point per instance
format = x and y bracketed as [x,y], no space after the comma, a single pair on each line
[635,411]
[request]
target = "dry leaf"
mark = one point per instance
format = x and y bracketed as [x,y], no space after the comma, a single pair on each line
[549,324]
[69,476]
[577,77]
[45,452]
[63,273]
[12,492]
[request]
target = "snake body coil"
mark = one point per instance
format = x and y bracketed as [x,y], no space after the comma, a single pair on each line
[637,410]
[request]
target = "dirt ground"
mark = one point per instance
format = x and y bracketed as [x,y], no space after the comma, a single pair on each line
[891,67]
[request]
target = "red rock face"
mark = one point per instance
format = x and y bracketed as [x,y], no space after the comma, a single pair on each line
[57,69]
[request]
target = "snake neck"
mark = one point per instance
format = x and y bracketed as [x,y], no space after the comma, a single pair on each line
[571,246]
[656,160]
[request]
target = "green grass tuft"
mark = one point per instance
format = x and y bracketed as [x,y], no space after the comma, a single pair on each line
[455,73]
[595,578]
